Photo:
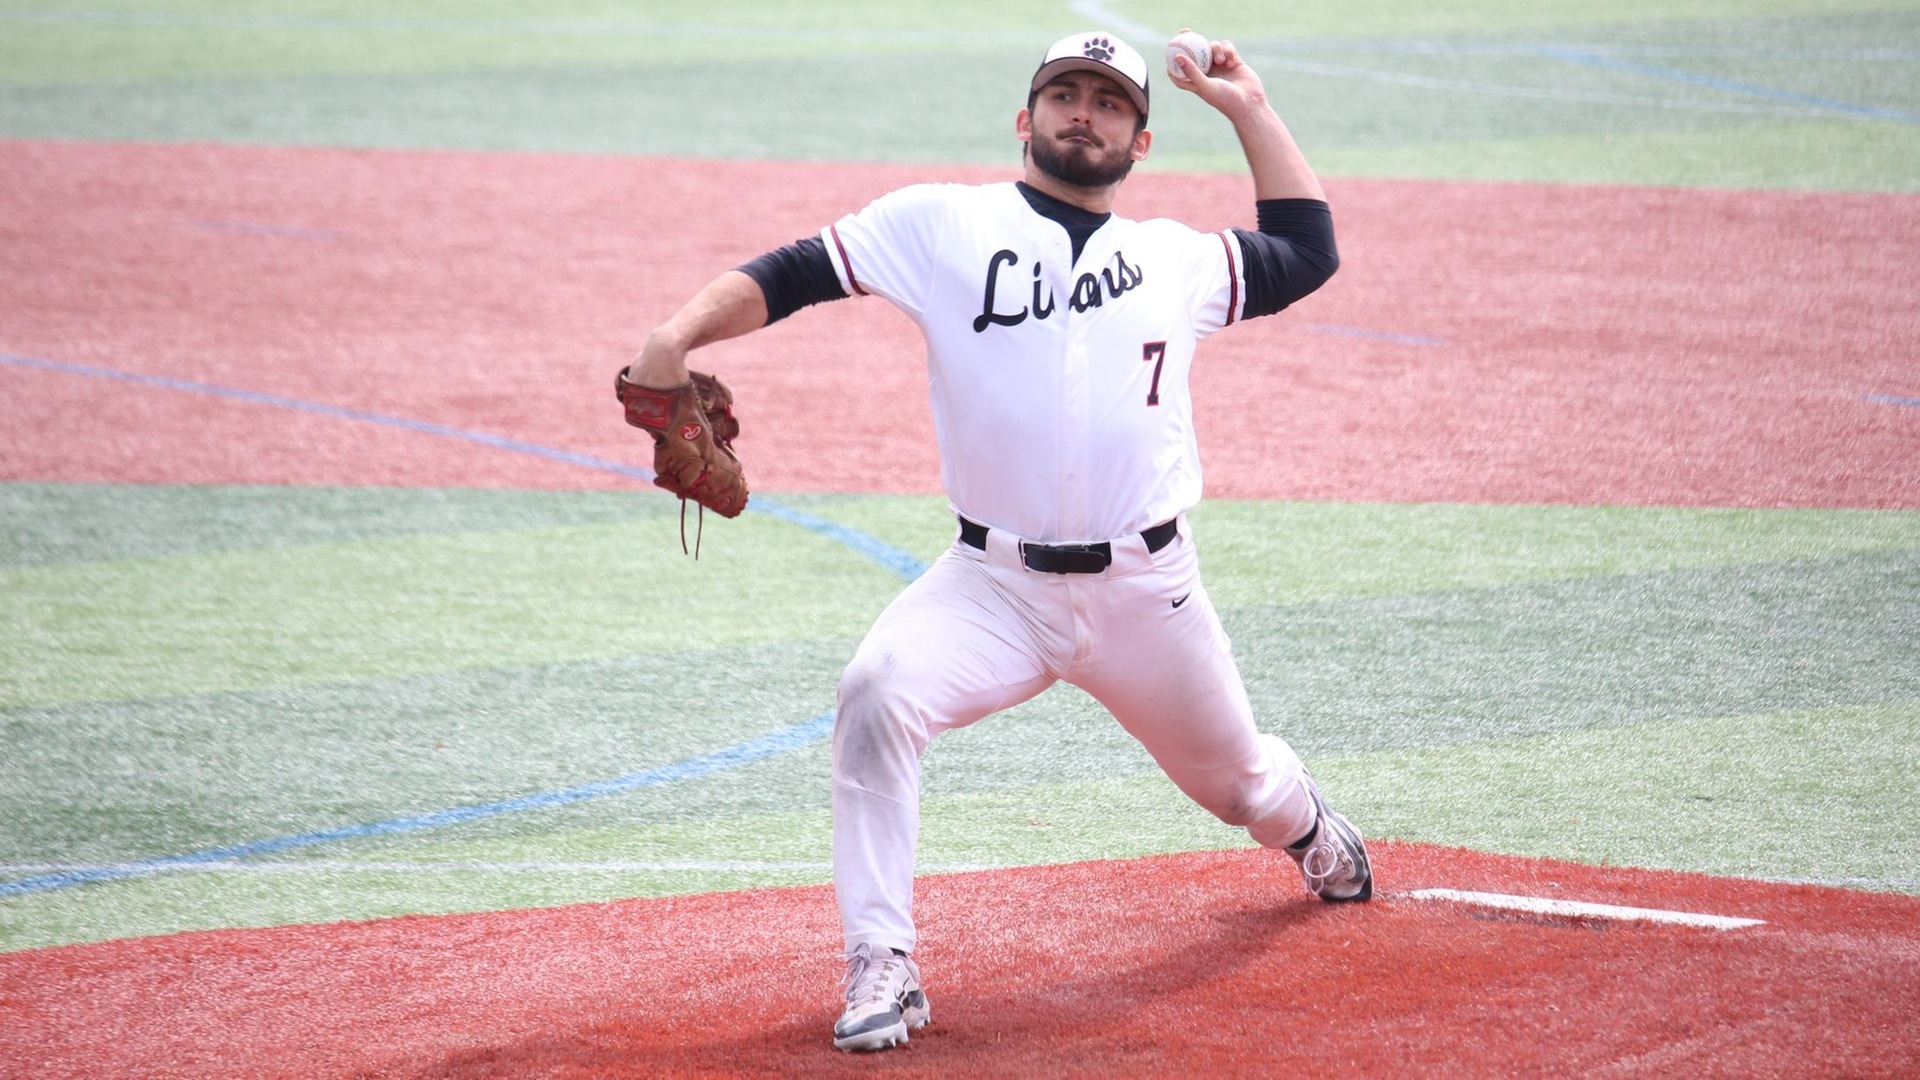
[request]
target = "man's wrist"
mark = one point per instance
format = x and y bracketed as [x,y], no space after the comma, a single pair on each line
[662,362]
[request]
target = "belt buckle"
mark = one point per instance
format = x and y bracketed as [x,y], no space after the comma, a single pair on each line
[1066,558]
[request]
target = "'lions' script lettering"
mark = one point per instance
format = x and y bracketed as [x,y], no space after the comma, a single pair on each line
[1089,291]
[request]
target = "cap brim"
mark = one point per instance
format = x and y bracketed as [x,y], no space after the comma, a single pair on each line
[1051,71]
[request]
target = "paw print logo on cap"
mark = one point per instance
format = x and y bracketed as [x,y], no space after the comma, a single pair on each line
[1100,52]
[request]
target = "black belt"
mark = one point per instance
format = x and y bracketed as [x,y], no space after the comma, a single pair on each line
[1069,558]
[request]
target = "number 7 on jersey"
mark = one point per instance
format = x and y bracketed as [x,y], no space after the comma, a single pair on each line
[1155,352]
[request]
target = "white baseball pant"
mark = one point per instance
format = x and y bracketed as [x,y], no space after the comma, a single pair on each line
[978,633]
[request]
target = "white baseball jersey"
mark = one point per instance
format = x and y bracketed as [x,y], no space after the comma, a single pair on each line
[1061,406]
[1059,388]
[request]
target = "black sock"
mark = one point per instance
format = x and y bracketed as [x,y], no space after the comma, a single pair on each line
[1301,844]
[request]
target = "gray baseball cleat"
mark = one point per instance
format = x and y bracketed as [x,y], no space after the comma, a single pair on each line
[884,1000]
[1334,859]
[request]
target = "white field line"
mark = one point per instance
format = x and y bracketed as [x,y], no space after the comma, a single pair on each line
[1902,884]
[665,866]
[1590,97]
[668,866]
[1101,13]
[1105,18]
[1577,909]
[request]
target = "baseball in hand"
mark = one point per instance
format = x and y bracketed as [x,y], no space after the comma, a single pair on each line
[1196,48]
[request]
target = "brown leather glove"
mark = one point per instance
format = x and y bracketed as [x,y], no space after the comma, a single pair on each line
[693,429]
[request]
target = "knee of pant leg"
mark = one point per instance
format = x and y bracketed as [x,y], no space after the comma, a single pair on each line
[1276,812]
[1265,794]
[1238,797]
[877,726]
[1236,810]
[870,683]
[1218,794]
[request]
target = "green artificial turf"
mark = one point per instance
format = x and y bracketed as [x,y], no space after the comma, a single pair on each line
[1737,93]
[1535,680]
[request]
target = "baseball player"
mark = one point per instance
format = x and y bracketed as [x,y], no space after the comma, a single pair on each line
[1059,340]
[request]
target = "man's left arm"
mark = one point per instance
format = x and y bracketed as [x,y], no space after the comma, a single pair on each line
[1280,170]
[1293,253]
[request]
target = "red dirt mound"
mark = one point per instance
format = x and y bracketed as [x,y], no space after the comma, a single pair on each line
[1212,963]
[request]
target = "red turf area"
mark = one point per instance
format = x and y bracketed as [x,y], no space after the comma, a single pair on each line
[1483,342]
[1213,963]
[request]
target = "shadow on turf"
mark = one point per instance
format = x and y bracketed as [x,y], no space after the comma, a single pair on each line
[1010,1018]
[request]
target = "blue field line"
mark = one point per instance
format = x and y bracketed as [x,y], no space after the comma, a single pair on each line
[893,558]
[1889,399]
[1732,86]
[766,746]
[261,228]
[1378,335]
[254,397]
[886,555]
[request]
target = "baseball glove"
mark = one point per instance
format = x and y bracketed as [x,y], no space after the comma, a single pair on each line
[693,429]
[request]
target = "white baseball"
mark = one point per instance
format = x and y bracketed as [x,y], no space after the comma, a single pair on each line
[1196,48]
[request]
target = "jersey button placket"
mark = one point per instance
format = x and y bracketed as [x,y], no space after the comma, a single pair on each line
[1074,437]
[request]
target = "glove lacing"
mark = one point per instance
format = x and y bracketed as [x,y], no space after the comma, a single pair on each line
[700,527]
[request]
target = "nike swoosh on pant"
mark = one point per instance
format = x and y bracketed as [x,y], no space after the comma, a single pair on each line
[1182,600]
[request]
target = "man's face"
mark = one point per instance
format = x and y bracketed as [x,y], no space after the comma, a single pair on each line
[1085,131]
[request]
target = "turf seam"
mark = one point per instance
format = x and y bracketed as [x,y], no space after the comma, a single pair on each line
[895,560]
[768,745]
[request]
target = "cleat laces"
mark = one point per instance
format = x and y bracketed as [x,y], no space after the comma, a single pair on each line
[869,978]
[1325,862]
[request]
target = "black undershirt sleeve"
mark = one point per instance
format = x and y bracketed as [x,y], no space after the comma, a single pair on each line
[1292,255]
[795,276]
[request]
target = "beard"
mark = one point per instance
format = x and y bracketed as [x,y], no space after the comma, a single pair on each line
[1081,164]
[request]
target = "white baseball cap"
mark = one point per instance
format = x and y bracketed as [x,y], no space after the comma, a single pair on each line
[1101,53]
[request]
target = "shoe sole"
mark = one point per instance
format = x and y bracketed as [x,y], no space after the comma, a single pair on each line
[1347,832]
[888,1037]
[874,1040]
